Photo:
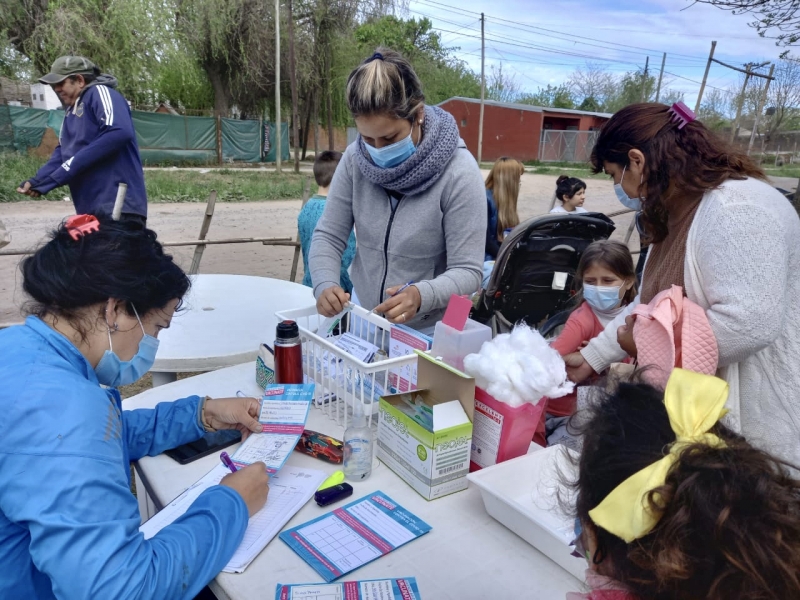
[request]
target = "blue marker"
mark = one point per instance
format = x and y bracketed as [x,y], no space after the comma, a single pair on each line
[402,288]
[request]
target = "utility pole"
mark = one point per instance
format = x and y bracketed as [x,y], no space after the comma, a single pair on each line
[279,129]
[483,92]
[661,76]
[293,83]
[644,79]
[761,104]
[705,78]
[735,128]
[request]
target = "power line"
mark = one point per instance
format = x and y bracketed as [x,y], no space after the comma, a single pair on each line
[604,47]
[517,25]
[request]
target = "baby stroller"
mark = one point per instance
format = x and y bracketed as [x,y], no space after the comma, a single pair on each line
[533,276]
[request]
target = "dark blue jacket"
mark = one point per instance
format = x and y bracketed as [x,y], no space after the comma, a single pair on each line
[492,243]
[97,152]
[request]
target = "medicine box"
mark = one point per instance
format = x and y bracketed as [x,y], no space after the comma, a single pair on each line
[434,461]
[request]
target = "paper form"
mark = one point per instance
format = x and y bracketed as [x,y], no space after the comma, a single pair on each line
[350,537]
[370,589]
[288,492]
[283,414]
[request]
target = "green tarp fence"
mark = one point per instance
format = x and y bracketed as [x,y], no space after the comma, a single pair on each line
[165,138]
[268,142]
[21,127]
[162,138]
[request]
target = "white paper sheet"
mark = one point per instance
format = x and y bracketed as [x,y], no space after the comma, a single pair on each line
[288,492]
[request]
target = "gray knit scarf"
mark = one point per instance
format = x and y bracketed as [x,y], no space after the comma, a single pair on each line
[421,170]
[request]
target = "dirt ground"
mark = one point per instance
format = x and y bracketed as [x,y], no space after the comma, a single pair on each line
[29,222]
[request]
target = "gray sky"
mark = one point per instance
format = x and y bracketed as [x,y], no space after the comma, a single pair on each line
[541,42]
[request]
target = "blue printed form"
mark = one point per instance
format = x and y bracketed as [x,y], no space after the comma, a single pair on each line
[283,415]
[404,588]
[354,535]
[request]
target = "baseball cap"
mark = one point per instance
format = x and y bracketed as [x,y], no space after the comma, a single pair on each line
[64,66]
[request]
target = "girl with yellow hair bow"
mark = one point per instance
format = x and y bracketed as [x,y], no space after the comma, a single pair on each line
[673,505]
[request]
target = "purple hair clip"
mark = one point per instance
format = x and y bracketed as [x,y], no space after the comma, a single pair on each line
[681,114]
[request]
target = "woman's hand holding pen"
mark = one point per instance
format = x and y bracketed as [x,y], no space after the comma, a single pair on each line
[251,483]
[401,306]
[233,413]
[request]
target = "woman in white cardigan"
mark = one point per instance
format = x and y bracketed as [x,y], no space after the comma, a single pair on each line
[732,241]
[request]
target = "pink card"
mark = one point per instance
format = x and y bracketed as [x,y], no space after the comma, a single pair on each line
[457,312]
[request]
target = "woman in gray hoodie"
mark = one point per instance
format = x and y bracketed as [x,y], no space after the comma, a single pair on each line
[415,195]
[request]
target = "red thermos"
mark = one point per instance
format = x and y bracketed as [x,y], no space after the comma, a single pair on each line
[288,353]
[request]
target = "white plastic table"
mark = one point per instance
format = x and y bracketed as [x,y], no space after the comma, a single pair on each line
[223,321]
[467,555]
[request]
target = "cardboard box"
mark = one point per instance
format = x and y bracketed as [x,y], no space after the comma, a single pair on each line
[433,462]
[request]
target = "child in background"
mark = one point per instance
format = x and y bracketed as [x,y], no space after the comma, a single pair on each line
[672,505]
[571,191]
[324,168]
[502,192]
[608,284]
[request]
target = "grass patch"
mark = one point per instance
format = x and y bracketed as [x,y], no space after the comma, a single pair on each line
[232,185]
[14,169]
[784,171]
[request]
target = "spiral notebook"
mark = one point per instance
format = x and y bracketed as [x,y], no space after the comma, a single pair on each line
[289,491]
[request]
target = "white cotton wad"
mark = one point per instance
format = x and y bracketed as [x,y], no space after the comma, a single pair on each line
[519,367]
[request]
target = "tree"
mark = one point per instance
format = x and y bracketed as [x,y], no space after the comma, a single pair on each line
[592,86]
[501,86]
[122,38]
[771,16]
[714,111]
[442,75]
[783,99]
[555,96]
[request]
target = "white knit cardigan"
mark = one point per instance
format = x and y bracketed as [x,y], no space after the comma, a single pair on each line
[743,267]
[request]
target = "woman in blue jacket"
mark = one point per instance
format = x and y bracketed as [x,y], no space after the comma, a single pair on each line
[69,525]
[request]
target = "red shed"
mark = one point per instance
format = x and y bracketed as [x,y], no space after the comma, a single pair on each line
[517,130]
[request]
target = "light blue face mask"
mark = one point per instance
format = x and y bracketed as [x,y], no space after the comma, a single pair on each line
[113,372]
[602,297]
[627,201]
[393,154]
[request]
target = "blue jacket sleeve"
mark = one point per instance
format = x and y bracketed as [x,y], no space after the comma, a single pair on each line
[150,431]
[83,523]
[42,182]
[116,130]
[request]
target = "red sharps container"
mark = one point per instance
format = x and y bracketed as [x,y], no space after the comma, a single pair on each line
[288,353]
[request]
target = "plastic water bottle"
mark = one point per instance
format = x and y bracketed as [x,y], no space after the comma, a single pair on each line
[357,446]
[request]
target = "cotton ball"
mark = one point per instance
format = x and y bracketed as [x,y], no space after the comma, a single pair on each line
[519,367]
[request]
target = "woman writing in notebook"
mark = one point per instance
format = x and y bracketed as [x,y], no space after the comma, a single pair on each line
[416,197]
[69,525]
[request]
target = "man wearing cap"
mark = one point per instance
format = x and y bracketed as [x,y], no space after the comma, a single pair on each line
[97,148]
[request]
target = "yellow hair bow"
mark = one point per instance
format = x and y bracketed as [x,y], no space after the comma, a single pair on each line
[694,403]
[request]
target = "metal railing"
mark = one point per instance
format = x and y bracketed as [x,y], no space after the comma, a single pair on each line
[566,146]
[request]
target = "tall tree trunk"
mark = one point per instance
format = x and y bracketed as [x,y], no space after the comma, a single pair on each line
[329,99]
[293,85]
[316,121]
[221,91]
[307,125]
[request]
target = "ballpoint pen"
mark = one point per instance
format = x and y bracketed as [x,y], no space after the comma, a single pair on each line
[226,460]
[403,287]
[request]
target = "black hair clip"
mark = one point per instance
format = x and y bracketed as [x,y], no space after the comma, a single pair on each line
[376,56]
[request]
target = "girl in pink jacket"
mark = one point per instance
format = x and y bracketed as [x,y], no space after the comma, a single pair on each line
[608,285]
